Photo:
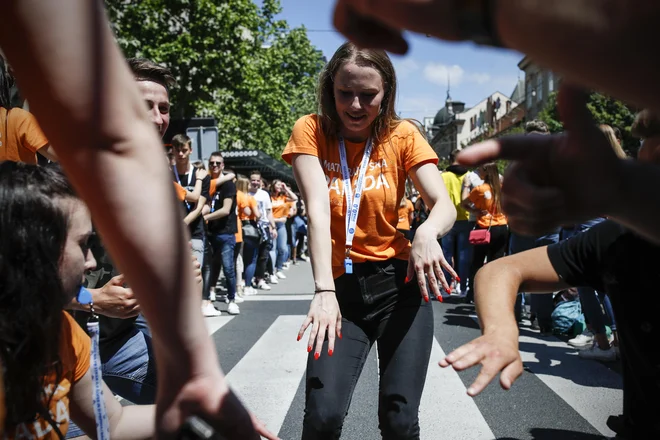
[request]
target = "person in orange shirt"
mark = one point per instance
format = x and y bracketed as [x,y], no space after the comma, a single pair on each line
[45,353]
[486,204]
[351,162]
[281,197]
[248,213]
[406,213]
[21,137]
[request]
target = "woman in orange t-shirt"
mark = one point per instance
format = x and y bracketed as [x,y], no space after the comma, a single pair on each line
[372,287]
[406,211]
[485,202]
[281,196]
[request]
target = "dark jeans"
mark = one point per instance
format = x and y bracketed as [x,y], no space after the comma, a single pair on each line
[499,238]
[264,253]
[376,305]
[250,252]
[456,247]
[223,255]
[207,271]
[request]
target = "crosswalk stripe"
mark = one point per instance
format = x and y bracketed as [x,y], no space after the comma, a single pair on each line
[216,323]
[268,376]
[278,297]
[445,406]
[591,389]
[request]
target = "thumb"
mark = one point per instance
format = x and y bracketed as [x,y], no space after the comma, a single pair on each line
[118,280]
[573,110]
[411,269]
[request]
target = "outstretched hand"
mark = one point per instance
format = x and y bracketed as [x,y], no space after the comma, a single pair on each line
[325,318]
[426,261]
[557,179]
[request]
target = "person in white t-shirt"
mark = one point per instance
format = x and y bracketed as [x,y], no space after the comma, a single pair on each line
[266,224]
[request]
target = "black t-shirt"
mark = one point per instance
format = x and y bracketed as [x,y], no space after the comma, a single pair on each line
[188,180]
[612,259]
[226,224]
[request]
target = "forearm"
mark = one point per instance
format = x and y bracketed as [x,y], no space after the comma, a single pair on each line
[220,213]
[496,288]
[135,422]
[192,215]
[440,220]
[271,220]
[320,246]
[633,207]
[114,152]
[559,34]
[194,195]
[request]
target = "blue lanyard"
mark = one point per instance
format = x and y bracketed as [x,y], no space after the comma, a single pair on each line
[178,180]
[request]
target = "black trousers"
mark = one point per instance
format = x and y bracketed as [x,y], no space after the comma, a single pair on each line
[499,239]
[376,305]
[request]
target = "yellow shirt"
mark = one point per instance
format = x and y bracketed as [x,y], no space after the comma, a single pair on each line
[454,183]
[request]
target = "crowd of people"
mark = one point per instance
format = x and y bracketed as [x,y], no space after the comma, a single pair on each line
[351,161]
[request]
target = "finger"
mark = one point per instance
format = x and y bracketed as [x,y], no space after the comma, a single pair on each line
[433,282]
[483,379]
[261,429]
[460,352]
[338,326]
[421,282]
[411,270]
[304,326]
[572,108]
[507,148]
[510,373]
[331,336]
[366,32]
[440,275]
[470,358]
[320,338]
[519,189]
[312,335]
[118,280]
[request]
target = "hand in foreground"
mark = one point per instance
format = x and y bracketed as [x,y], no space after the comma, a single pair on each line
[208,398]
[324,315]
[426,261]
[114,300]
[495,352]
[557,179]
[378,24]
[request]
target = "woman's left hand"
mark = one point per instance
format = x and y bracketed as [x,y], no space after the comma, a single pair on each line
[427,261]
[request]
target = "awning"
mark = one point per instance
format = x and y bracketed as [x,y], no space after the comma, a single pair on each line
[246,161]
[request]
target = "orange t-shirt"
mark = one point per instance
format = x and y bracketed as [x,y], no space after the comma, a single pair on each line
[180,192]
[482,198]
[244,200]
[75,348]
[404,215]
[376,237]
[281,206]
[23,138]
[212,187]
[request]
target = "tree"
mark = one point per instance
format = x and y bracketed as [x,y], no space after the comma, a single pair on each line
[605,110]
[232,61]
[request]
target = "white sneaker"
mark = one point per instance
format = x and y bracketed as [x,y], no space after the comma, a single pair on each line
[598,354]
[262,285]
[233,309]
[237,300]
[304,257]
[583,340]
[249,291]
[280,275]
[286,266]
[274,280]
[212,295]
[209,311]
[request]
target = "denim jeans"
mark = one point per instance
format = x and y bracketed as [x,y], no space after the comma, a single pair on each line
[376,305]
[130,373]
[250,252]
[456,246]
[542,304]
[282,246]
[223,255]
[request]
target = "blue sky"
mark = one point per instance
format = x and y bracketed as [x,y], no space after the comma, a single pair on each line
[475,72]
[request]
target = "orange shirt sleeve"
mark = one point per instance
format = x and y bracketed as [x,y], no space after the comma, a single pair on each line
[32,137]
[81,344]
[213,187]
[180,192]
[417,149]
[304,138]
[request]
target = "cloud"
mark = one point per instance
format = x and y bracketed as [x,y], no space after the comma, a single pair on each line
[405,67]
[419,106]
[479,78]
[438,73]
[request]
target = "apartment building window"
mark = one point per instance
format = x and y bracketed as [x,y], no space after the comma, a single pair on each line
[551,82]
[528,92]
[539,87]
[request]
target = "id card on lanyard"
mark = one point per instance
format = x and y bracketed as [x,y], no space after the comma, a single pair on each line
[352,199]
[178,180]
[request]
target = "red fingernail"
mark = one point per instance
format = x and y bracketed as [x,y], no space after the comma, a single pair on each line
[309,348]
[458,278]
[339,335]
[298,338]
[440,298]
[316,356]
[407,280]
[426,298]
[448,290]
[330,352]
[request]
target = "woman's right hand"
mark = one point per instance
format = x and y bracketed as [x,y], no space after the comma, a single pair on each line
[201,174]
[324,315]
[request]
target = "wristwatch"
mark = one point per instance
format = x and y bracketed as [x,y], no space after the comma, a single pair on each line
[476,21]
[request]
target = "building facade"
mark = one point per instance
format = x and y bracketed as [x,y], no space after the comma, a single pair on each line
[539,84]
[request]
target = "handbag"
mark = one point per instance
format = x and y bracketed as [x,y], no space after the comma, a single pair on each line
[250,230]
[480,236]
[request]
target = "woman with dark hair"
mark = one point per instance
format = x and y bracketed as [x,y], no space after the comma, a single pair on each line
[485,202]
[46,355]
[351,161]
[20,135]
[282,198]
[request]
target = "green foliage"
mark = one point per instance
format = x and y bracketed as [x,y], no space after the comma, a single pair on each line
[605,110]
[233,61]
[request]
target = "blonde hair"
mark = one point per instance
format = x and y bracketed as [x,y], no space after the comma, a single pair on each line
[611,138]
[242,184]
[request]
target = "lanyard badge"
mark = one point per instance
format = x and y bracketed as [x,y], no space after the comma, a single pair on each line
[352,200]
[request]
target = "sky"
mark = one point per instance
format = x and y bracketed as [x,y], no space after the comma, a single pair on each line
[475,72]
